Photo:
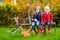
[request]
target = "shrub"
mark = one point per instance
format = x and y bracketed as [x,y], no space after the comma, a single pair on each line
[9,10]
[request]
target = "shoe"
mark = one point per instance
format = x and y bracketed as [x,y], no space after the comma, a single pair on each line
[38,32]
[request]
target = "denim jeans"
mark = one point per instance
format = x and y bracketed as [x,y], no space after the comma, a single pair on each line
[48,23]
[37,24]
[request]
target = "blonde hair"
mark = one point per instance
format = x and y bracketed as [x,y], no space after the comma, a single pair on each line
[47,8]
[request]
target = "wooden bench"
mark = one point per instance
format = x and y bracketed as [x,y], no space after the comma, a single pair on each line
[20,24]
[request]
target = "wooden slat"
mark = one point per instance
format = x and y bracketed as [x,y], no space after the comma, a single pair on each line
[25,24]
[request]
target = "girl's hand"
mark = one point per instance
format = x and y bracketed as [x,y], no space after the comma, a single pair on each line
[35,19]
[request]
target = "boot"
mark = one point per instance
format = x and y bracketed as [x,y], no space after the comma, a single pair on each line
[38,31]
[43,28]
[35,30]
[48,30]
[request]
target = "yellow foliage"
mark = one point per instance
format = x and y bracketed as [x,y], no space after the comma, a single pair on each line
[22,5]
[7,1]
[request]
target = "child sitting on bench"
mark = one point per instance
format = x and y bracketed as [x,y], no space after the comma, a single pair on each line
[47,18]
[36,20]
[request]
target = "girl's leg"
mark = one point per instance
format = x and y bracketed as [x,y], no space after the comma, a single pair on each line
[48,27]
[33,24]
[33,27]
[38,26]
[43,27]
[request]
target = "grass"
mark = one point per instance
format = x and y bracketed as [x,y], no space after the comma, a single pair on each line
[4,35]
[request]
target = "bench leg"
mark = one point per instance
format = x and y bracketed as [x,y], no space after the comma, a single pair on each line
[14,31]
[20,28]
[55,28]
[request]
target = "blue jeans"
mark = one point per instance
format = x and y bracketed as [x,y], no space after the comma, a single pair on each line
[48,23]
[37,23]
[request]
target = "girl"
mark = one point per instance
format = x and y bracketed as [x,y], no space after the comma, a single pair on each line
[36,20]
[47,18]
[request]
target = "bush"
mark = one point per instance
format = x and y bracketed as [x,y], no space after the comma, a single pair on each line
[6,13]
[9,10]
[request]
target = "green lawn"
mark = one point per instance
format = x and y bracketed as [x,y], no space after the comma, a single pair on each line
[4,35]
